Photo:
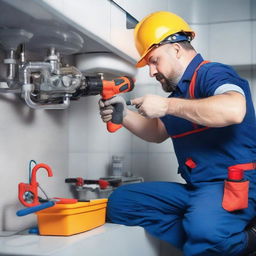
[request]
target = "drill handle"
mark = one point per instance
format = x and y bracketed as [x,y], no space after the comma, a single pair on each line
[117,118]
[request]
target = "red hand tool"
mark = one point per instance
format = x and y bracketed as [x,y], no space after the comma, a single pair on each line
[28,194]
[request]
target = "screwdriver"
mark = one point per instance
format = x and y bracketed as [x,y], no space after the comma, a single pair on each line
[129,103]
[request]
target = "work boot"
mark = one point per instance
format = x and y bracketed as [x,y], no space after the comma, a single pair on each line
[251,235]
[251,224]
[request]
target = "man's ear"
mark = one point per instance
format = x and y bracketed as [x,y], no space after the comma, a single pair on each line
[178,50]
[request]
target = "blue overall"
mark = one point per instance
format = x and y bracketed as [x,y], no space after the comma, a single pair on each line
[190,216]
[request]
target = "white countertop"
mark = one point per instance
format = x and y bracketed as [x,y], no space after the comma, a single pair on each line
[110,239]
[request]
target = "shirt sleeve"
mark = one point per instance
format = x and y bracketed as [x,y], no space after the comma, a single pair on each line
[228,87]
[218,78]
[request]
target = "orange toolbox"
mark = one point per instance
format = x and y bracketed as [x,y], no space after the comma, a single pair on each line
[70,219]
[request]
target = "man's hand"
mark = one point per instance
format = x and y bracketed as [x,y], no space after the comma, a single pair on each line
[106,108]
[151,106]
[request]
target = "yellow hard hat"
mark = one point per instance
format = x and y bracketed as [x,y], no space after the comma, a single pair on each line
[156,27]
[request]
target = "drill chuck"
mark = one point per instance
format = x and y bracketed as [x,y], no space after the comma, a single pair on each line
[93,86]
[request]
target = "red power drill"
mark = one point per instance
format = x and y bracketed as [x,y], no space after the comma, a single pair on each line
[94,85]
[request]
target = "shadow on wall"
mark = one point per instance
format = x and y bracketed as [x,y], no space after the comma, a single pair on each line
[9,214]
[57,115]
[25,114]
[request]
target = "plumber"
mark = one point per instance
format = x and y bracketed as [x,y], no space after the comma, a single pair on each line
[210,118]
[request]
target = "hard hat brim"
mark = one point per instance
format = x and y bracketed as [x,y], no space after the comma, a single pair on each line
[142,62]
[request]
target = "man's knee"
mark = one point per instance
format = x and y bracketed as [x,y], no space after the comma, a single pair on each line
[119,204]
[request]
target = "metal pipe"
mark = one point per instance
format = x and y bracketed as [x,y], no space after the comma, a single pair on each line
[7,90]
[35,66]
[27,87]
[11,63]
[27,90]
[11,66]
[22,54]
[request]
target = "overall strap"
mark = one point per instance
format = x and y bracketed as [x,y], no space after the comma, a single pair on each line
[192,95]
[192,84]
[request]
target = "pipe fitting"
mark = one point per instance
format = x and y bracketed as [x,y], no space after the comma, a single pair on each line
[29,67]
[27,89]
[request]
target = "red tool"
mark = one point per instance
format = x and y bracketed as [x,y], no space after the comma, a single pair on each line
[47,204]
[235,173]
[59,200]
[80,182]
[108,89]
[28,194]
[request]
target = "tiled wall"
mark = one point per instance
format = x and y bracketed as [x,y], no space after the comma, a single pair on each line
[250,74]
[27,134]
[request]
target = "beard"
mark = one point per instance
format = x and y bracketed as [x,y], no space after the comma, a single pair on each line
[168,85]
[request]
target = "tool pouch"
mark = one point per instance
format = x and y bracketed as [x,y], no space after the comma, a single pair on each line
[235,195]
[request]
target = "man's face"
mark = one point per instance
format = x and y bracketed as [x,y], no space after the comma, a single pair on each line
[162,64]
[167,84]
